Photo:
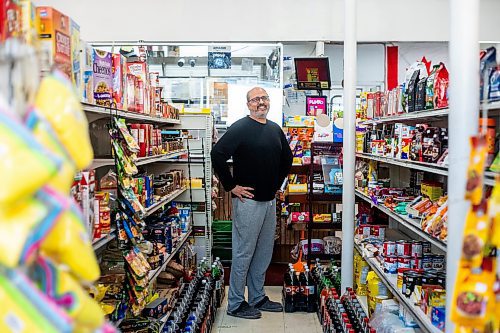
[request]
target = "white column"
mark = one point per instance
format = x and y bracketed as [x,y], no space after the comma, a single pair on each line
[320,49]
[348,198]
[463,122]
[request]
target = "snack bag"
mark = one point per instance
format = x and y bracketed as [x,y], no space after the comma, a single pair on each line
[27,308]
[131,142]
[494,91]
[24,226]
[441,82]
[58,103]
[494,215]
[69,243]
[429,89]
[42,130]
[26,164]
[475,172]
[477,229]
[474,299]
[411,90]
[66,292]
[488,59]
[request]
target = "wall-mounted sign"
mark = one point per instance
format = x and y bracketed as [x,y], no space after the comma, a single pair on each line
[315,105]
[219,57]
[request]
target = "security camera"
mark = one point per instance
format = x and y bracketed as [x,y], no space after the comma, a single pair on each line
[181,62]
[192,62]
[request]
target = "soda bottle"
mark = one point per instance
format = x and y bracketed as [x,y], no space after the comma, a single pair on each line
[289,290]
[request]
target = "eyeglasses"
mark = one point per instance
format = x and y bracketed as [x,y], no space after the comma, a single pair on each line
[256,100]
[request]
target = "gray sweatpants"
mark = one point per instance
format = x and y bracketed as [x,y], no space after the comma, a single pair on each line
[254,226]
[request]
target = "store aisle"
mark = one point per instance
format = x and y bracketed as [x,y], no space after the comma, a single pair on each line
[270,322]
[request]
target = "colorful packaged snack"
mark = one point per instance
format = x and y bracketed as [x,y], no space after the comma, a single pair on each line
[411,90]
[475,172]
[405,148]
[494,215]
[102,77]
[494,91]
[488,60]
[131,142]
[429,88]
[441,83]
[420,97]
[130,92]
[22,155]
[54,33]
[66,117]
[119,81]
[10,18]
[477,229]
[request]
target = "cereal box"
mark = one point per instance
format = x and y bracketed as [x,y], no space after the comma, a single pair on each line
[28,21]
[86,64]
[119,80]
[130,92]
[76,68]
[54,33]
[103,77]
[140,71]
[10,19]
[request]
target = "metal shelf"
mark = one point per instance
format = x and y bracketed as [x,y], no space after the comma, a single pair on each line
[95,112]
[99,243]
[153,274]
[390,280]
[436,114]
[153,208]
[100,162]
[422,166]
[317,226]
[411,224]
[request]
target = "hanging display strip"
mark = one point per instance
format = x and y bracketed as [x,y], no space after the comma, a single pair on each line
[390,280]
[421,166]
[152,275]
[409,223]
[410,116]
[99,243]
[101,162]
[95,112]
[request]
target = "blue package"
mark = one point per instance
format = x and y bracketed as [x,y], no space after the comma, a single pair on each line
[438,317]
[494,91]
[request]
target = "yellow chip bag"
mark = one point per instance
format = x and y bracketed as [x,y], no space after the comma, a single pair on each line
[476,232]
[57,102]
[475,172]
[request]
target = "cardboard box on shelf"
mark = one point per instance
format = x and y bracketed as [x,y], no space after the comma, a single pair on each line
[119,81]
[76,65]
[10,19]
[86,64]
[54,33]
[28,21]
[102,77]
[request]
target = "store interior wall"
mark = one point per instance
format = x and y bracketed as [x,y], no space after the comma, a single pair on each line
[263,20]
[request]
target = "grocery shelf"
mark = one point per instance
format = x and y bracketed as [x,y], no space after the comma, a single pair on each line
[421,166]
[317,226]
[363,301]
[492,106]
[101,162]
[432,114]
[411,224]
[153,274]
[99,243]
[302,197]
[153,208]
[390,280]
[94,112]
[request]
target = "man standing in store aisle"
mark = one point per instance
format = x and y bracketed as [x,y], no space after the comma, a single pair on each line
[261,160]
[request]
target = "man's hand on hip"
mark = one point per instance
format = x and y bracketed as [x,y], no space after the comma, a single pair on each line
[242,192]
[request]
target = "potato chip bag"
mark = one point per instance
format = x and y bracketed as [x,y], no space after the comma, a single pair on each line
[494,215]
[475,171]
[44,133]
[58,103]
[476,233]
[26,164]
[66,292]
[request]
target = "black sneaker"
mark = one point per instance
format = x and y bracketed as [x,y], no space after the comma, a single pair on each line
[267,305]
[245,311]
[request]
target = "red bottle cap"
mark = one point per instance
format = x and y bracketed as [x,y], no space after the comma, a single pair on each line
[346,321]
[372,330]
[366,320]
[352,331]
[344,314]
[348,326]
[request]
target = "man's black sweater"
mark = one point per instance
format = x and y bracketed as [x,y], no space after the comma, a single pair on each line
[261,157]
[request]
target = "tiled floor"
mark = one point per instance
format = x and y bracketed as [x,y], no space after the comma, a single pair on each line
[270,322]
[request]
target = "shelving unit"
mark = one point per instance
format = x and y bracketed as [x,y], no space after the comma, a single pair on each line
[390,280]
[405,221]
[150,210]
[434,114]
[95,112]
[101,242]
[100,162]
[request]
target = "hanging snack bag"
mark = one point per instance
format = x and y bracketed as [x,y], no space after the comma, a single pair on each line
[477,229]
[494,215]
[129,139]
[412,89]
[429,88]
[475,172]
[494,91]
[421,94]
[441,82]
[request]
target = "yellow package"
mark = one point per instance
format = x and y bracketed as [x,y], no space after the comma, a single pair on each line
[475,171]
[26,165]
[57,102]
[375,288]
[473,300]
[69,244]
[494,215]
[44,133]
[60,286]
[23,227]
[476,231]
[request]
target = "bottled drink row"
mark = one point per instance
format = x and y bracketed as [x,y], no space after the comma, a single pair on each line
[195,309]
[315,289]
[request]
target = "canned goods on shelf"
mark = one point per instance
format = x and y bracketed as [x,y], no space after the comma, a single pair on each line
[389,248]
[416,249]
[390,264]
[403,248]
